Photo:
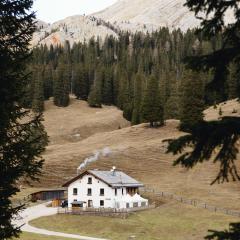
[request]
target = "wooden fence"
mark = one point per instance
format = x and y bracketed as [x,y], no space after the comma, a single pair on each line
[105,212]
[193,202]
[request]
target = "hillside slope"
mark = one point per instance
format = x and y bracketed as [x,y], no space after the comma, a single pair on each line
[131,15]
[152,14]
[137,150]
[142,15]
[73,29]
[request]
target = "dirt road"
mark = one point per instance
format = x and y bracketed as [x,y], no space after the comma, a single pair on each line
[42,211]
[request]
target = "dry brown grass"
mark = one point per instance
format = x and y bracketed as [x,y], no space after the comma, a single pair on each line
[32,236]
[137,150]
[229,108]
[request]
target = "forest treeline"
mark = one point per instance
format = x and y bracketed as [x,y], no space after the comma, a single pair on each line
[142,74]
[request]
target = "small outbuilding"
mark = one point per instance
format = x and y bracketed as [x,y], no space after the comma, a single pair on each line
[45,195]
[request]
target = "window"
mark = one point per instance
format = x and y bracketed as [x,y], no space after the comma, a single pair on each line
[122,191]
[127,205]
[102,192]
[135,204]
[101,203]
[115,191]
[75,191]
[89,180]
[89,192]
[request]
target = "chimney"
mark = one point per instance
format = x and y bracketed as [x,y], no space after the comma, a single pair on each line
[113,170]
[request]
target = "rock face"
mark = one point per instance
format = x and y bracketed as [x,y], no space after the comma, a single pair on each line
[149,15]
[131,15]
[72,29]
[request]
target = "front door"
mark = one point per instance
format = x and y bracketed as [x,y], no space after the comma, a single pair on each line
[90,203]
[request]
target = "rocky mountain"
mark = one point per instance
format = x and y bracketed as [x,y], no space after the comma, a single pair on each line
[132,15]
[72,29]
[149,15]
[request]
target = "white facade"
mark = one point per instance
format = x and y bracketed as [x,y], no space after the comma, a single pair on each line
[109,198]
[88,190]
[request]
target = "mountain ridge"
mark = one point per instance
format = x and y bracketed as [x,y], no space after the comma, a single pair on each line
[134,16]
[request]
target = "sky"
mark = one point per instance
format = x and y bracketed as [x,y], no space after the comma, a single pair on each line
[54,10]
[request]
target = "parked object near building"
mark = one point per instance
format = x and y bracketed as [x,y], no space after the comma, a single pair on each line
[57,195]
[104,189]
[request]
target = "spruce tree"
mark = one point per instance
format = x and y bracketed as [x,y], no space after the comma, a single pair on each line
[61,89]
[137,101]
[95,96]
[38,96]
[152,109]
[192,104]
[81,83]
[20,147]
[48,82]
[233,81]
[214,138]
[172,106]
[107,91]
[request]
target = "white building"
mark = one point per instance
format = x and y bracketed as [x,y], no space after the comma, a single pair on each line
[106,189]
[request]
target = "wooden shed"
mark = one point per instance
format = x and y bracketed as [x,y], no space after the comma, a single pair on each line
[45,195]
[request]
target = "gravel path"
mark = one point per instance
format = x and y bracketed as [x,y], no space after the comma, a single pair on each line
[42,211]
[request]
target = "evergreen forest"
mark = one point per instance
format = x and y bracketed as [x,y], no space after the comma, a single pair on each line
[142,74]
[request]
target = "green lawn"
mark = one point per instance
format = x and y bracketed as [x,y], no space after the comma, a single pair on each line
[169,222]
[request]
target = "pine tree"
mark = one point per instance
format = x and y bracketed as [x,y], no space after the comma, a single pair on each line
[152,109]
[172,106]
[207,137]
[27,96]
[38,96]
[107,91]
[233,81]
[48,82]
[62,86]
[137,102]
[192,104]
[95,99]
[81,82]
[20,148]
[95,96]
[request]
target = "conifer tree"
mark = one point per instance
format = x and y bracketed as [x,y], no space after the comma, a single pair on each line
[107,91]
[38,96]
[95,96]
[152,109]
[95,99]
[137,102]
[28,91]
[81,82]
[48,82]
[61,86]
[172,106]
[233,81]
[20,147]
[192,104]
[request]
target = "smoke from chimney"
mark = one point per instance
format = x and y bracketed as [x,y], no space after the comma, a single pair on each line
[105,152]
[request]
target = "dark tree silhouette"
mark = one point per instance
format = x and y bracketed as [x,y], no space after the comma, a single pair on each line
[222,135]
[22,136]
